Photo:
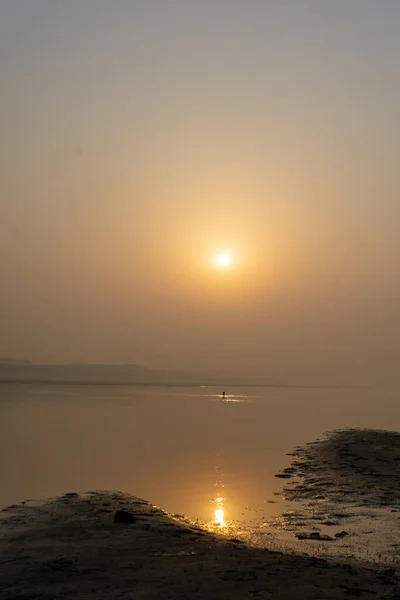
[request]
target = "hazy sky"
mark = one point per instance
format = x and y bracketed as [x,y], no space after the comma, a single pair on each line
[138,136]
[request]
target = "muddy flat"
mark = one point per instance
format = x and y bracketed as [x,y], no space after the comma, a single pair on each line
[361,466]
[343,493]
[72,547]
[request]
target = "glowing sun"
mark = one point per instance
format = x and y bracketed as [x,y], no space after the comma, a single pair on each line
[224,259]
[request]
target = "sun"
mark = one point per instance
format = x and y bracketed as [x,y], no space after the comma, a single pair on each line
[223,259]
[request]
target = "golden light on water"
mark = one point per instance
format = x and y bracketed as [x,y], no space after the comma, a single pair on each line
[219,512]
[220,517]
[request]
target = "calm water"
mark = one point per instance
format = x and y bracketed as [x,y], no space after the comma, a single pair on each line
[185,449]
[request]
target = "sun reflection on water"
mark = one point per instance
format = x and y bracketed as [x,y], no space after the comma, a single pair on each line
[219,512]
[220,517]
[233,398]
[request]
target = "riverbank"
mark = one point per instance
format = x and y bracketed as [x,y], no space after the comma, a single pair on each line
[71,547]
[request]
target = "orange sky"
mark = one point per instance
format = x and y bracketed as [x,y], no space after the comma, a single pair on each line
[140,136]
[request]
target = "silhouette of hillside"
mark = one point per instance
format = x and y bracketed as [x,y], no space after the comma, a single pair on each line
[16,371]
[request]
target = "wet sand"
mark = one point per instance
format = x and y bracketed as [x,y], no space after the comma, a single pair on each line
[353,465]
[70,547]
[344,497]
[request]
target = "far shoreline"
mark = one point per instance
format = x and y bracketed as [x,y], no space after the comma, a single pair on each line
[179,384]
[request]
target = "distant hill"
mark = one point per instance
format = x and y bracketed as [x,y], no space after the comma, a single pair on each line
[14,361]
[16,371]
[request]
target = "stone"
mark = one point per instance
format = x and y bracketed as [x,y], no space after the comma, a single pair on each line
[341,534]
[315,535]
[123,516]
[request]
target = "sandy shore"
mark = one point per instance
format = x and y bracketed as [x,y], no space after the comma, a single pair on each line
[70,547]
[343,493]
[360,466]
